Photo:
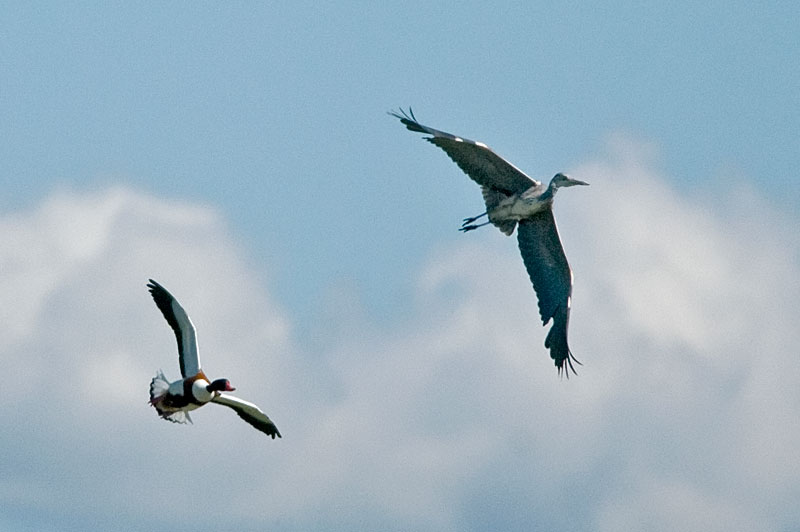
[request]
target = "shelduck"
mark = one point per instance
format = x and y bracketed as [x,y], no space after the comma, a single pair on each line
[174,400]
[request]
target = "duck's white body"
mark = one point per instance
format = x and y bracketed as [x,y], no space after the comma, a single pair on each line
[174,400]
[171,401]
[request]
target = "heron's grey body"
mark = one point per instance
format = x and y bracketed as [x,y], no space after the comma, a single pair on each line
[514,200]
[505,211]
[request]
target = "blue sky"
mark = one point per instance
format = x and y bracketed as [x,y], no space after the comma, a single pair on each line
[242,156]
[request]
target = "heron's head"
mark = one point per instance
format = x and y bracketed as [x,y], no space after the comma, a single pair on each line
[563,180]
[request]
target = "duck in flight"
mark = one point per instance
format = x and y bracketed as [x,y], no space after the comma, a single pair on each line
[514,200]
[174,400]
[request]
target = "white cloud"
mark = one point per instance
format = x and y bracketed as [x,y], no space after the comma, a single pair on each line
[673,506]
[683,414]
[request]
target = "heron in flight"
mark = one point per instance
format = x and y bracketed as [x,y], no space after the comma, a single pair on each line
[514,199]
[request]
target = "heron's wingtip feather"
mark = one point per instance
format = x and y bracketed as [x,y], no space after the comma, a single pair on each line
[564,369]
[409,120]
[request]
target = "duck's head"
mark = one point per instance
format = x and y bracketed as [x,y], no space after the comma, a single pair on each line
[220,385]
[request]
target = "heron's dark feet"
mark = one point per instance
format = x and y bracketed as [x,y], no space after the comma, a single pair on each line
[466,228]
[468,221]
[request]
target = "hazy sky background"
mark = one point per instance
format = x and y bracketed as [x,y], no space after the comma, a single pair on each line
[242,156]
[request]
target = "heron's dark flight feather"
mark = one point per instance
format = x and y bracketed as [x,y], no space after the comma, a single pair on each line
[475,159]
[551,276]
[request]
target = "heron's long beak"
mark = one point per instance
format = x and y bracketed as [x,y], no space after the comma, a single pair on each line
[577,182]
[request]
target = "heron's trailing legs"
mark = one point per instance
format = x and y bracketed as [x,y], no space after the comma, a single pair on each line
[470,220]
[469,226]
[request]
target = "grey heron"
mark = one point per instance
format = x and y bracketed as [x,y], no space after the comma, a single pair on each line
[515,200]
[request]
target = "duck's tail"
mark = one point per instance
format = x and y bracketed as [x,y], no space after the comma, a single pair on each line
[158,389]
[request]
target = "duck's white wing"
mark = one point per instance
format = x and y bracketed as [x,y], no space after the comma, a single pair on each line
[179,416]
[182,325]
[250,413]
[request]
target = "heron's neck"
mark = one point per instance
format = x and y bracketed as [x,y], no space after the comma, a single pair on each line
[548,194]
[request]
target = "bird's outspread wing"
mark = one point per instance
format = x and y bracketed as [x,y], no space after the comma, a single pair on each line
[250,413]
[475,159]
[551,276]
[182,325]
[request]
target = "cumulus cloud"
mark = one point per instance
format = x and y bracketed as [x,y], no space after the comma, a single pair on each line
[81,341]
[683,415]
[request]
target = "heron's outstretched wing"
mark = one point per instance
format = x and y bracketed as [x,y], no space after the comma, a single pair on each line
[182,325]
[479,162]
[551,276]
[250,413]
